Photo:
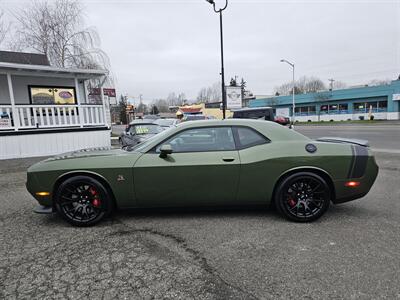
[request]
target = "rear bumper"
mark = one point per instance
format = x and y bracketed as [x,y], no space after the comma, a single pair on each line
[345,193]
[349,198]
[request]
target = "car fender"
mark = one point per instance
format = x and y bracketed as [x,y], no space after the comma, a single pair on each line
[92,174]
[319,171]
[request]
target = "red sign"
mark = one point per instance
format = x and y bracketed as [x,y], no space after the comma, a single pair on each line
[109,92]
[106,92]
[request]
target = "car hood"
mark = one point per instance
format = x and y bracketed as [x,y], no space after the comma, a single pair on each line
[92,158]
[90,152]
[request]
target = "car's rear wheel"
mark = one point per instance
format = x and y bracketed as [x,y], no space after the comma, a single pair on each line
[303,197]
[83,201]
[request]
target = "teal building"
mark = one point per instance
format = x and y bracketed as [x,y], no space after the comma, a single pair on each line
[355,103]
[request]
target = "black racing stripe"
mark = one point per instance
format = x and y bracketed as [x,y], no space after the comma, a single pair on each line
[361,160]
[351,167]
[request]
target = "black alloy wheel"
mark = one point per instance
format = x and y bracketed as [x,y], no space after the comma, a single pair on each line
[303,197]
[83,201]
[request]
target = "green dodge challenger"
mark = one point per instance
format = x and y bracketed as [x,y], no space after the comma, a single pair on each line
[207,163]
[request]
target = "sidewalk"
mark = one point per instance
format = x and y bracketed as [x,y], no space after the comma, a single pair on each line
[351,123]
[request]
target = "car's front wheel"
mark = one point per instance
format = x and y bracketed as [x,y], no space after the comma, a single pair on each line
[83,201]
[303,197]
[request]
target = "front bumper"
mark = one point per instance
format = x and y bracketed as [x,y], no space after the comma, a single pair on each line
[43,210]
[33,186]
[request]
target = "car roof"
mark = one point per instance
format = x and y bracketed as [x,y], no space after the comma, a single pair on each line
[217,122]
[273,131]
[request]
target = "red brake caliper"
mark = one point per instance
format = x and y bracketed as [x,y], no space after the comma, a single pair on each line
[291,202]
[96,200]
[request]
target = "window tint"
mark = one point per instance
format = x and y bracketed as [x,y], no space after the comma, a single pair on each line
[247,137]
[202,139]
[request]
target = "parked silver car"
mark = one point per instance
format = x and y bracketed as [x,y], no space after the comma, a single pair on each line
[166,123]
[139,131]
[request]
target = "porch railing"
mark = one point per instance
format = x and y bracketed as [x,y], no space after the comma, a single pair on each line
[50,116]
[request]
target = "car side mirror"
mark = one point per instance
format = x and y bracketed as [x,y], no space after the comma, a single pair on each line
[165,150]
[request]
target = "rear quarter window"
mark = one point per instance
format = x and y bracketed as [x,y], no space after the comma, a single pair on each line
[247,137]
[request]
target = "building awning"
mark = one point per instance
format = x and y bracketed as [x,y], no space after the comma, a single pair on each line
[190,110]
[24,58]
[37,70]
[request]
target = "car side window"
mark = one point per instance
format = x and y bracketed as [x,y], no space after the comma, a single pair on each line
[202,140]
[132,130]
[247,137]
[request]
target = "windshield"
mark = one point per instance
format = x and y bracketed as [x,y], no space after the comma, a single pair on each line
[142,145]
[165,122]
[145,129]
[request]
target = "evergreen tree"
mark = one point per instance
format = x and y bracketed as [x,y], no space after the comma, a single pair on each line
[122,109]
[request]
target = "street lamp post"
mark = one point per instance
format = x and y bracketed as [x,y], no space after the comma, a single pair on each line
[293,86]
[219,11]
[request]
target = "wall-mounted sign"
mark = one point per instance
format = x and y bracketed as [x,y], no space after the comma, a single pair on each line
[5,123]
[109,92]
[283,112]
[52,95]
[396,97]
[233,97]
[110,95]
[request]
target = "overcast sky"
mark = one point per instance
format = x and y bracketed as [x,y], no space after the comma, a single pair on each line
[162,46]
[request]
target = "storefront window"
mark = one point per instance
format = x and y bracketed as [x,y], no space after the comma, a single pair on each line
[324,109]
[359,107]
[333,109]
[370,106]
[382,106]
[305,110]
[52,95]
[343,108]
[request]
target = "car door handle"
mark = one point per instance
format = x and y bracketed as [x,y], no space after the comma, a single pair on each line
[228,159]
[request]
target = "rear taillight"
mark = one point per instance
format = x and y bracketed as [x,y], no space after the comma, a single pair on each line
[352,183]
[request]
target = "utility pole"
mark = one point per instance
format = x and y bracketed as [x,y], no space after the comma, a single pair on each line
[293,92]
[219,11]
[331,84]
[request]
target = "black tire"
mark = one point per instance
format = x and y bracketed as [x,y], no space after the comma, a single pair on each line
[303,197]
[83,201]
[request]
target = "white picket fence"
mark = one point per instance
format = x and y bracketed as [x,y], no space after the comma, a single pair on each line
[50,116]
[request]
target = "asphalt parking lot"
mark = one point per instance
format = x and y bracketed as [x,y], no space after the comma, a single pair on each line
[350,253]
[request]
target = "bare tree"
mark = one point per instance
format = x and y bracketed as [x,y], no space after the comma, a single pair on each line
[4,27]
[176,100]
[210,94]
[302,85]
[283,89]
[161,104]
[56,28]
[376,82]
[172,99]
[203,96]
[337,85]
[215,94]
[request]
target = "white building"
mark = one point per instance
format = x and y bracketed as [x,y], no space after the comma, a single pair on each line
[45,110]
